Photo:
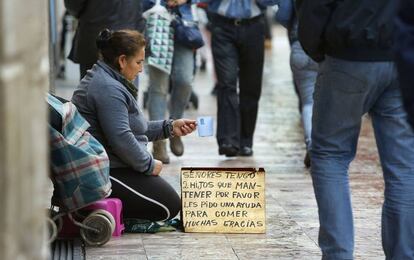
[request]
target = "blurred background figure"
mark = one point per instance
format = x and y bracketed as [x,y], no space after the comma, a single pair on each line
[268,28]
[238,35]
[66,26]
[304,70]
[178,83]
[205,53]
[95,15]
[404,49]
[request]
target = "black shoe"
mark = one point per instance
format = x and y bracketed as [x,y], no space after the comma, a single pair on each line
[307,160]
[194,100]
[214,90]
[228,150]
[203,65]
[246,151]
[61,74]
[145,100]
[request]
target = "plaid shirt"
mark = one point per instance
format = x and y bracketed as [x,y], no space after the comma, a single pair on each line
[80,165]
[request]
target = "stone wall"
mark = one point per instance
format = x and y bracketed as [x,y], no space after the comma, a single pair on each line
[24,70]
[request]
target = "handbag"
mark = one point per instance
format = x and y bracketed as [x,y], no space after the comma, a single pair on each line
[160,36]
[187,33]
[79,163]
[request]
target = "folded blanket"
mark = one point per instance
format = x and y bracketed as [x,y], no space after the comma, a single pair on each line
[135,225]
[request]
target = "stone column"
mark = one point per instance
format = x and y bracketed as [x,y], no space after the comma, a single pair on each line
[24,69]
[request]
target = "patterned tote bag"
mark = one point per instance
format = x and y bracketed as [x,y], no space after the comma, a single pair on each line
[79,163]
[160,36]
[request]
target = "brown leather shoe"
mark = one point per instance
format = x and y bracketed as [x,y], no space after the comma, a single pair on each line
[176,146]
[159,151]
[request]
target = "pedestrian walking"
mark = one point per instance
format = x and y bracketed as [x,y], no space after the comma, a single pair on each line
[181,79]
[238,34]
[404,49]
[352,40]
[304,70]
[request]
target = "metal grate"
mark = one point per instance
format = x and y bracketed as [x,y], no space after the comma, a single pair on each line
[67,250]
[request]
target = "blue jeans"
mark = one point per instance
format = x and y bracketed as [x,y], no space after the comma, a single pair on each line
[304,71]
[181,84]
[345,91]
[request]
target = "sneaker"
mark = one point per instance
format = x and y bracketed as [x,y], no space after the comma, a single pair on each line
[159,151]
[176,146]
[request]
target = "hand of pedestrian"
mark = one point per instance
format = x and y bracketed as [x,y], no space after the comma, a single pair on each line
[157,168]
[182,127]
[174,3]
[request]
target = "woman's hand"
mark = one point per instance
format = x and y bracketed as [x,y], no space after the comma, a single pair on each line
[182,127]
[174,3]
[157,168]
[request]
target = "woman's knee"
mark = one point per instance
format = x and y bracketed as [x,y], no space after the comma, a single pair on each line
[174,205]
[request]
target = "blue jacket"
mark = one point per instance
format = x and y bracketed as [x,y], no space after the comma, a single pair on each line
[404,54]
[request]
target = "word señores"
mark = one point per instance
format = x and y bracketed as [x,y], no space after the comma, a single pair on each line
[212,174]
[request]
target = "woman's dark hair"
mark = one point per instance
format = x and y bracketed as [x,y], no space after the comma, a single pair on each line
[112,44]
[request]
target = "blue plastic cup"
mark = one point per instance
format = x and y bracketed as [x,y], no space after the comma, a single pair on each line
[205,126]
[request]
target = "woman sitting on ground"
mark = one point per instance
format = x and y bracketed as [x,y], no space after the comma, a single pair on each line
[107,98]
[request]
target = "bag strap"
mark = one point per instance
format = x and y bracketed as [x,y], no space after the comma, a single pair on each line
[55,116]
[73,124]
[55,103]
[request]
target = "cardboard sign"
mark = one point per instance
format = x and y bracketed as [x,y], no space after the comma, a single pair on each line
[223,200]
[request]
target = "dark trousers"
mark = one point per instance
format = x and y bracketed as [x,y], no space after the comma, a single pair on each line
[238,52]
[144,197]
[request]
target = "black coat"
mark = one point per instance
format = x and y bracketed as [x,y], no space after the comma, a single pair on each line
[404,50]
[95,15]
[357,30]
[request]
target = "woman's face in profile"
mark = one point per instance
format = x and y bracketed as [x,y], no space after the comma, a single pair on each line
[132,66]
